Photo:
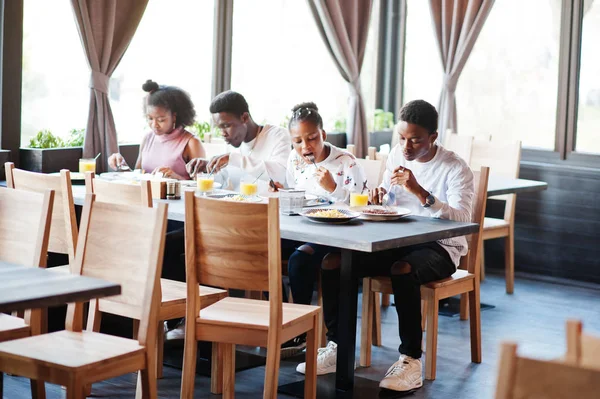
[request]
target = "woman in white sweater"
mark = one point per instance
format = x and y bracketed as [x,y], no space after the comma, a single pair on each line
[324,170]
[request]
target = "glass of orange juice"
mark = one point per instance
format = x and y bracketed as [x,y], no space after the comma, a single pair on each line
[205,182]
[359,199]
[87,165]
[248,186]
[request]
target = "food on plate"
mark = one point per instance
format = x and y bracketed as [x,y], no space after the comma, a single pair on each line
[237,198]
[379,212]
[327,213]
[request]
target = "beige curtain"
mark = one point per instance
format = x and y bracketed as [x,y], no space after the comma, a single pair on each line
[344,26]
[106,28]
[457,24]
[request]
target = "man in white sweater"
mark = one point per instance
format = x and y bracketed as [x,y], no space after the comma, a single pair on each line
[259,151]
[431,181]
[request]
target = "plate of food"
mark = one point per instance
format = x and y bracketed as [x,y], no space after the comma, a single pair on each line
[194,184]
[330,215]
[381,213]
[237,197]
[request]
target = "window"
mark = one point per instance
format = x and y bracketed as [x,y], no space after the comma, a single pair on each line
[281,60]
[55,81]
[588,115]
[509,85]
[423,71]
[173,45]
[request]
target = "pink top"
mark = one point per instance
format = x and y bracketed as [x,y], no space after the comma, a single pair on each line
[166,150]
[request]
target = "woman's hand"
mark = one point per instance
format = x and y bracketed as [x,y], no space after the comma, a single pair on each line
[276,187]
[168,173]
[325,179]
[116,160]
[196,166]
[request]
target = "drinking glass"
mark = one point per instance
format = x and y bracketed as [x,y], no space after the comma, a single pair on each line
[205,183]
[87,165]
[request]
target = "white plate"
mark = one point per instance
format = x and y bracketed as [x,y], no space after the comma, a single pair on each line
[348,216]
[398,212]
[230,196]
[194,184]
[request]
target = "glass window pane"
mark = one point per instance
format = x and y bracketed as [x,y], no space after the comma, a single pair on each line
[55,92]
[173,46]
[284,62]
[588,117]
[422,65]
[510,83]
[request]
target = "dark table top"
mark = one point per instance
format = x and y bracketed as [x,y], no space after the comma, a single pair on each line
[498,185]
[369,236]
[33,287]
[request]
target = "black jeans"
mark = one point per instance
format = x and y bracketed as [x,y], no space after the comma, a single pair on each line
[302,272]
[173,263]
[429,262]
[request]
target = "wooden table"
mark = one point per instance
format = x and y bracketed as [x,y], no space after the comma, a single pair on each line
[33,287]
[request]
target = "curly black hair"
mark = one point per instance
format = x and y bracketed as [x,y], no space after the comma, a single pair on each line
[231,102]
[172,98]
[307,111]
[420,112]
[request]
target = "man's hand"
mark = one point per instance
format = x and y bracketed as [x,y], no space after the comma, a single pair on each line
[276,187]
[376,195]
[405,178]
[325,179]
[195,166]
[217,163]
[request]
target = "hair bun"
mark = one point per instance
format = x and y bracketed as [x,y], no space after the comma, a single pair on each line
[150,86]
[307,105]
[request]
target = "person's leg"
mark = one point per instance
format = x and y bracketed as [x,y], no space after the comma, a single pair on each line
[302,268]
[418,265]
[174,266]
[330,287]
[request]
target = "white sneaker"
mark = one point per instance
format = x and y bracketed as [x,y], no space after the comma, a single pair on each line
[404,375]
[326,360]
[177,333]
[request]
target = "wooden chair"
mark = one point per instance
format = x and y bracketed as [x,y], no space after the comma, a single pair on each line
[373,171]
[24,233]
[63,230]
[503,158]
[76,358]
[237,245]
[582,349]
[172,293]
[464,281]
[520,377]
[462,145]
[351,148]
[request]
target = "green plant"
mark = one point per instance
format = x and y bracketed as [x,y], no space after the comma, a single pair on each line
[285,122]
[200,129]
[45,139]
[340,125]
[382,120]
[76,138]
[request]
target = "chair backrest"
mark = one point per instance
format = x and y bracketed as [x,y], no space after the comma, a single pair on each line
[582,349]
[119,192]
[125,245]
[25,219]
[373,171]
[502,157]
[520,377]
[63,230]
[233,245]
[462,145]
[214,149]
[480,183]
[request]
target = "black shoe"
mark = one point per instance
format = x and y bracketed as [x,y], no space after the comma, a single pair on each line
[293,346]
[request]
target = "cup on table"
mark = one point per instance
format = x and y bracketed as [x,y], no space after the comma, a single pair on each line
[248,186]
[358,199]
[87,165]
[205,183]
[291,201]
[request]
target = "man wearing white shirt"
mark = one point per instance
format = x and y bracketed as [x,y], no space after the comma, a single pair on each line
[259,151]
[431,181]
